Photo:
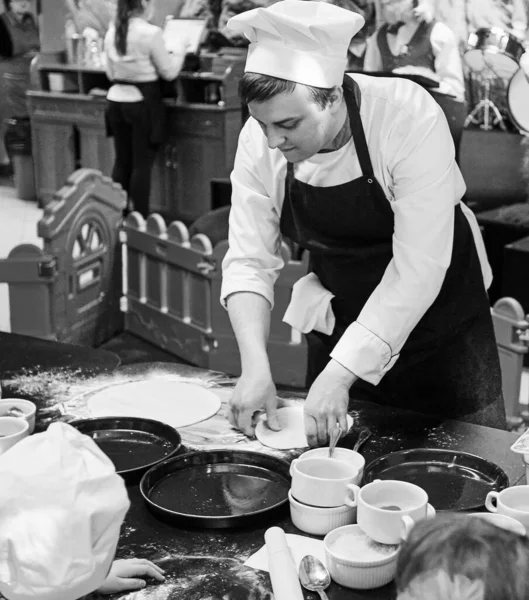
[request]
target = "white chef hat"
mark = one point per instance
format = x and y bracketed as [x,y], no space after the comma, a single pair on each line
[61,509]
[304,41]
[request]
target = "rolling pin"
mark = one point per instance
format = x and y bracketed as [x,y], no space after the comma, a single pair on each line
[283,574]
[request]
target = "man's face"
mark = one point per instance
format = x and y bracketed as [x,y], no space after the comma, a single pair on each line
[20,7]
[295,124]
[394,11]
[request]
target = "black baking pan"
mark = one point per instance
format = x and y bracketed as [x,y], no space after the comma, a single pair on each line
[453,480]
[217,489]
[133,444]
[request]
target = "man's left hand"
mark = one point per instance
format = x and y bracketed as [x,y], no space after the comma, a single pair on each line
[327,402]
[129,574]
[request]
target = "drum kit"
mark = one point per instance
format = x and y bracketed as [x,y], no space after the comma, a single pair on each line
[494,54]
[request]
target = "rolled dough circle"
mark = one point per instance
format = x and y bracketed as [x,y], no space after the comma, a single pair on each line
[292,434]
[172,402]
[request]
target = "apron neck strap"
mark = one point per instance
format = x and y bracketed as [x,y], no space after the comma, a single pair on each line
[353,98]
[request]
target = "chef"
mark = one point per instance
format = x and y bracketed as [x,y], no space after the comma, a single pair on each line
[360,172]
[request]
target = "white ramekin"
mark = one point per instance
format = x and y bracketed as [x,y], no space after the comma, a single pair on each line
[26,406]
[317,520]
[357,573]
[12,430]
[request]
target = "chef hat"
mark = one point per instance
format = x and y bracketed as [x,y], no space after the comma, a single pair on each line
[61,508]
[304,41]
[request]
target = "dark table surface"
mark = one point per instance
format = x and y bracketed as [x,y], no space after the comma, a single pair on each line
[208,564]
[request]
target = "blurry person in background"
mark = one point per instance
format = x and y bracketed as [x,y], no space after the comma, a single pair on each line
[97,14]
[411,41]
[19,44]
[136,60]
[358,45]
[466,16]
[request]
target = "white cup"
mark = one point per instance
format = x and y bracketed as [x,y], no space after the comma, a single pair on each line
[512,502]
[388,509]
[12,430]
[343,454]
[502,521]
[321,481]
[26,406]
[318,520]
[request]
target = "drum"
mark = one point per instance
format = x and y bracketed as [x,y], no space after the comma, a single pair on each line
[518,100]
[494,49]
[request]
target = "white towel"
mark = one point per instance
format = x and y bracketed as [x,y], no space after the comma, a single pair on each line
[310,306]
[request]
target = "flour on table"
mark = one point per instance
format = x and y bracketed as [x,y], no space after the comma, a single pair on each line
[292,434]
[177,404]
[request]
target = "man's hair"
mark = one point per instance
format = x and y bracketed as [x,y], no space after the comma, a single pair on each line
[462,548]
[254,87]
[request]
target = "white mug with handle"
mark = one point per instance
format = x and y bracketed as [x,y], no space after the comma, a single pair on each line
[388,509]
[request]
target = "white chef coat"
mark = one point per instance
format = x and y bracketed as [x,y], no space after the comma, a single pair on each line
[412,153]
[448,65]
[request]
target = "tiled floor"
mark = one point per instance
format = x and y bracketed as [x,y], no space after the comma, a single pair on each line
[18,225]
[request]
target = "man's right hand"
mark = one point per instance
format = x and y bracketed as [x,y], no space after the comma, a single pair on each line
[251,395]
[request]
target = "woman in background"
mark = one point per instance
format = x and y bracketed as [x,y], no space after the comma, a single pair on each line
[136,59]
[410,43]
[19,43]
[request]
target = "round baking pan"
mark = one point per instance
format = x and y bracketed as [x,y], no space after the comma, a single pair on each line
[133,444]
[217,489]
[453,480]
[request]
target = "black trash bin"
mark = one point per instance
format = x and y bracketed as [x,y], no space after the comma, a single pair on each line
[17,141]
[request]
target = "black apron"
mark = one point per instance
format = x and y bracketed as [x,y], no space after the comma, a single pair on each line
[348,230]
[155,113]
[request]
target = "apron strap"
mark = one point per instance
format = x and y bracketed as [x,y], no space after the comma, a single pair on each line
[351,91]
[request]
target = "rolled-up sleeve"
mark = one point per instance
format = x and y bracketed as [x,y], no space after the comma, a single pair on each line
[253,260]
[426,185]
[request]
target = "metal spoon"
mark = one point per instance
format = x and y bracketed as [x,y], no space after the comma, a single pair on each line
[365,433]
[314,576]
[336,433]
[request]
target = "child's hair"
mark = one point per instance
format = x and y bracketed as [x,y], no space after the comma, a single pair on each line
[459,557]
[125,9]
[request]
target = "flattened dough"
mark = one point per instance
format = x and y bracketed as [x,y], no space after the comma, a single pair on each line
[292,434]
[177,404]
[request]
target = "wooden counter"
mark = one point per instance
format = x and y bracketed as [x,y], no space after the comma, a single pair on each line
[205,117]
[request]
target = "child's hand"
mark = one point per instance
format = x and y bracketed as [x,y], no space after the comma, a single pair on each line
[127,575]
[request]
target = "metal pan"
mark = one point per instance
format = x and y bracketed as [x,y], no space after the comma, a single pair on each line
[134,445]
[217,489]
[454,481]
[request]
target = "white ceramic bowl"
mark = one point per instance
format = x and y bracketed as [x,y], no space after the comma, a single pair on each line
[317,520]
[502,521]
[344,454]
[28,408]
[12,430]
[356,562]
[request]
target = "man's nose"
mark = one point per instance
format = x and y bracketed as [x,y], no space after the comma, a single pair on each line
[275,139]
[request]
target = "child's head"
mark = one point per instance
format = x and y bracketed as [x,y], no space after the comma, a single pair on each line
[459,557]
[61,509]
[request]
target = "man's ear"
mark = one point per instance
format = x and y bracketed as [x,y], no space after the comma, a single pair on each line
[335,101]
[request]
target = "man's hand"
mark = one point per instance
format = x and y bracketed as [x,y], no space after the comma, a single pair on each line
[327,403]
[128,574]
[251,395]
